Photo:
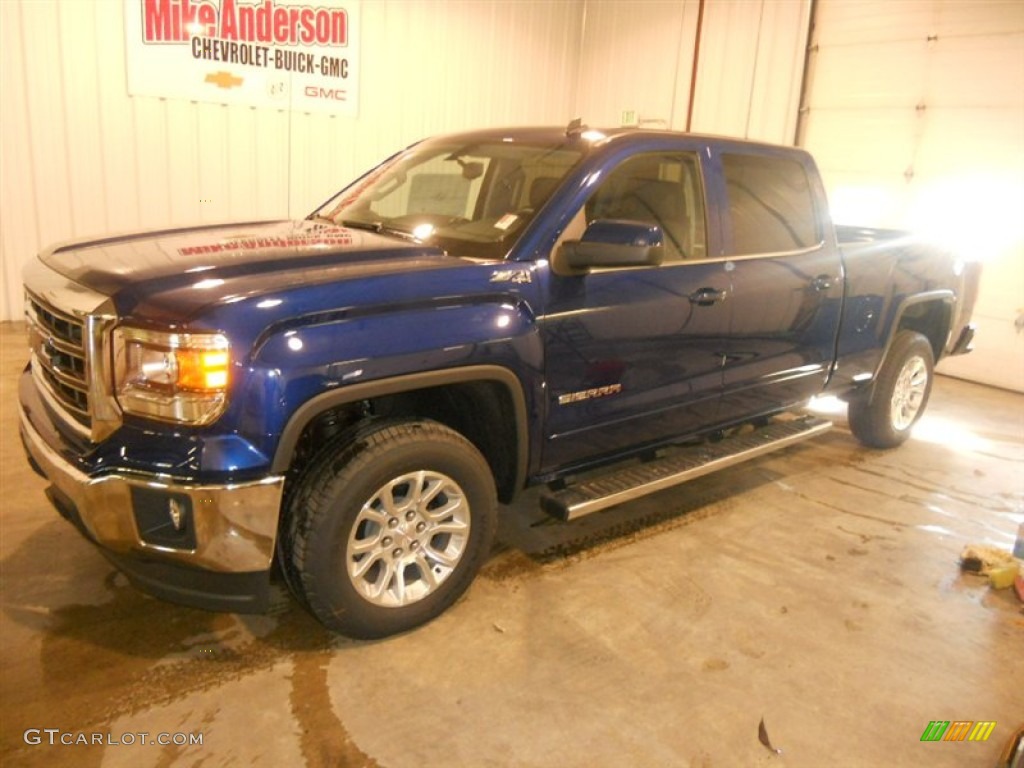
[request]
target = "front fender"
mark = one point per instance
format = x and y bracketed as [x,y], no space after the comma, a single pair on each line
[409,383]
[305,368]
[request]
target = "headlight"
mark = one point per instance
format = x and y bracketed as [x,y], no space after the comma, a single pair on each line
[180,377]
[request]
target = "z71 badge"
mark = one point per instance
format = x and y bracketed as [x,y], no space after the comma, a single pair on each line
[589,394]
[512,276]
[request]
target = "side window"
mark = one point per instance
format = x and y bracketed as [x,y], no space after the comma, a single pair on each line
[770,205]
[658,188]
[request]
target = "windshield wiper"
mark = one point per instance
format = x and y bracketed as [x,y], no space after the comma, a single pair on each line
[372,226]
[379,228]
[319,217]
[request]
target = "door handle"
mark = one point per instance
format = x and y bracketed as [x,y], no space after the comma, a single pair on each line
[705,297]
[822,282]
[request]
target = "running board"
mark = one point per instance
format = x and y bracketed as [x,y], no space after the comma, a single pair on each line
[685,464]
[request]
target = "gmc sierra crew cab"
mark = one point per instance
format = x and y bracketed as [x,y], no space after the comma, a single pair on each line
[351,396]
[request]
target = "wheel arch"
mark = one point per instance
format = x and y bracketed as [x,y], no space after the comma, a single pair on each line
[485,403]
[930,314]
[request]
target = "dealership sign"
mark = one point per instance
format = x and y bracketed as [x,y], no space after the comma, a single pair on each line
[286,54]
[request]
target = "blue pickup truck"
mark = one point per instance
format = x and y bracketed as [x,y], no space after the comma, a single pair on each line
[351,396]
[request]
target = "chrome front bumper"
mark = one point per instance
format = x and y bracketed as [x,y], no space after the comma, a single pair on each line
[213,544]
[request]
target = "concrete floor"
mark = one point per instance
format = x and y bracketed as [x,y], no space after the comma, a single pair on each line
[817,588]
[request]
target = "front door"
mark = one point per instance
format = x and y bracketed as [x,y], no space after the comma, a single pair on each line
[634,356]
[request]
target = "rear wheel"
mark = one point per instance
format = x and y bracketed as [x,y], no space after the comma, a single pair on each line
[900,393]
[389,529]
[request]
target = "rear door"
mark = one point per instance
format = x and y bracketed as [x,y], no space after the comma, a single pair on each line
[787,280]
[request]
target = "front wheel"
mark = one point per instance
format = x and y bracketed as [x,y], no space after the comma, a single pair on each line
[883,419]
[390,529]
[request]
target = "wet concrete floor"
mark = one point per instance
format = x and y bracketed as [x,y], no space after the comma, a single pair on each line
[817,589]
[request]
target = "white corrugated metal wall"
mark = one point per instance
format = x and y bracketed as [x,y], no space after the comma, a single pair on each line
[638,57]
[750,69]
[915,113]
[80,157]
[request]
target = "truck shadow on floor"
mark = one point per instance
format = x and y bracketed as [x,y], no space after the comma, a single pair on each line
[529,539]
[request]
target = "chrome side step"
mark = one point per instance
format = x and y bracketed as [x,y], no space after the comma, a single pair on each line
[685,464]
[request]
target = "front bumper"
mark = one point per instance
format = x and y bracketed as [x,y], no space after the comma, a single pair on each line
[208,546]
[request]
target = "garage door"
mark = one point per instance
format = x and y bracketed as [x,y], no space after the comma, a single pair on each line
[915,113]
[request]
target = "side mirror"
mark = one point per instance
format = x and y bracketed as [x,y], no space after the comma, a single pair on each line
[616,243]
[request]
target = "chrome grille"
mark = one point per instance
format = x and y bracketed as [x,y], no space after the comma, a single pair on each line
[70,329]
[59,357]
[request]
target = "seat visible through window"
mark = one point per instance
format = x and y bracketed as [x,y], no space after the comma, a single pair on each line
[642,189]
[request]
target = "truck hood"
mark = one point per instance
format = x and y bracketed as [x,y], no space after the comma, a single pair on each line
[195,267]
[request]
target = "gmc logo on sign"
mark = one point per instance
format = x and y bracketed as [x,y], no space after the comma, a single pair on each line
[331,94]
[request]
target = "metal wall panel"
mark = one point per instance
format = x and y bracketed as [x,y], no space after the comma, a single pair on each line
[872,22]
[19,233]
[726,70]
[80,157]
[915,114]
[751,67]
[779,71]
[638,57]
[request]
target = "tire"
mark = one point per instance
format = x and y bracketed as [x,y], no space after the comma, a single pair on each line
[885,417]
[389,529]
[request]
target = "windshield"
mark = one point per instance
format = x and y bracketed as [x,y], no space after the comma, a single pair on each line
[472,200]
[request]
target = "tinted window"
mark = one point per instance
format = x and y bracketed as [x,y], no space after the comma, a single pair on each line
[657,188]
[770,205]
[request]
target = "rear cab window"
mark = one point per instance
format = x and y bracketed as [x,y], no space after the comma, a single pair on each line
[771,205]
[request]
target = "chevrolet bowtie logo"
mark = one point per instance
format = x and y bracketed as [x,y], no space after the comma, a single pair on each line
[223,79]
